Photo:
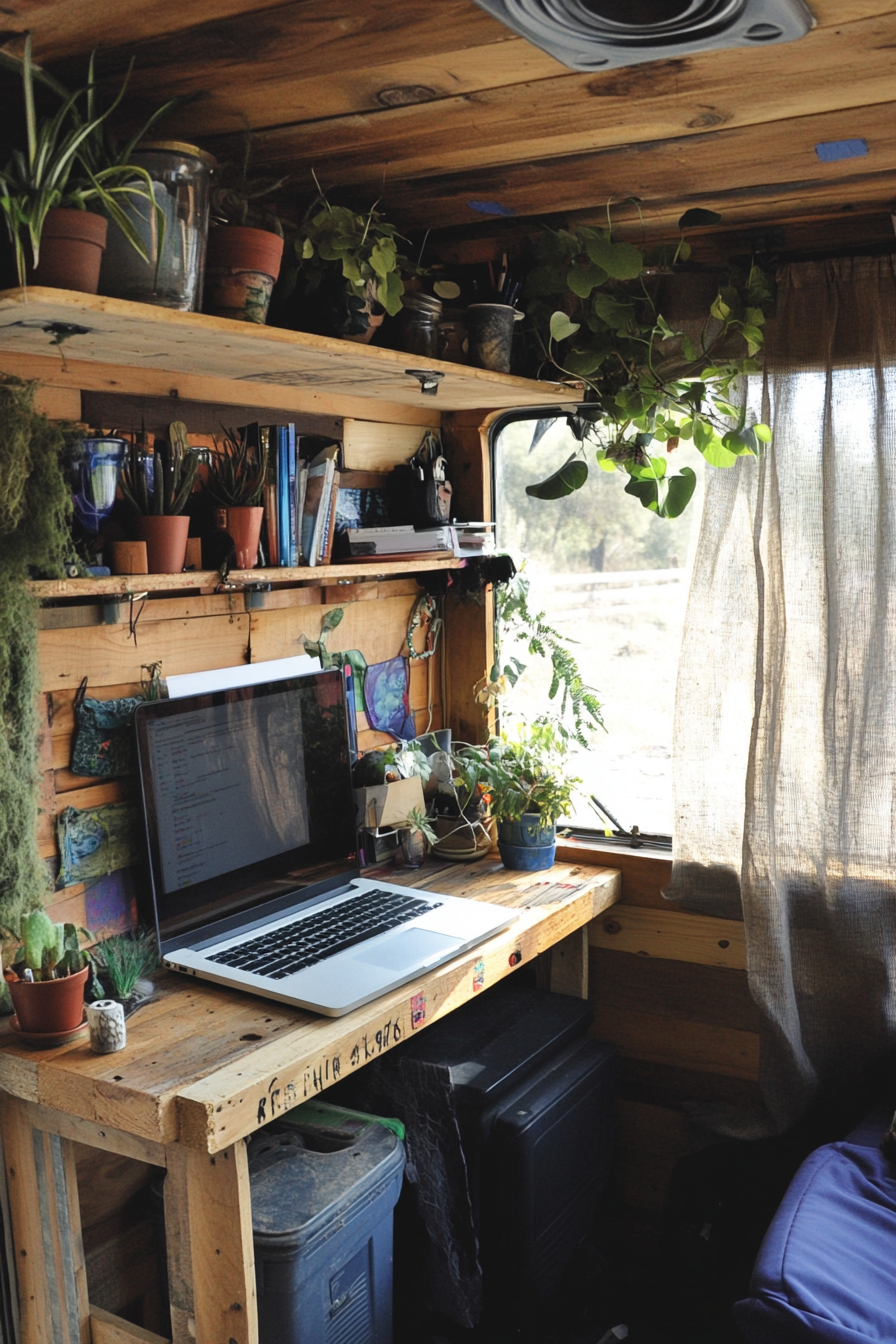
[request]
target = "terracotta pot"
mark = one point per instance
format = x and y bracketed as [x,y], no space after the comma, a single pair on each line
[166,542]
[51,1005]
[243,525]
[242,265]
[71,248]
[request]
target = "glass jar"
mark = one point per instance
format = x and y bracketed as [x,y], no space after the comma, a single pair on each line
[181,177]
[419,320]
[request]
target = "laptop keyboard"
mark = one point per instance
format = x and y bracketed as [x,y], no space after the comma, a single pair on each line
[312,938]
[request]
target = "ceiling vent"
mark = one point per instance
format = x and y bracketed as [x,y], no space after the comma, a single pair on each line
[601,34]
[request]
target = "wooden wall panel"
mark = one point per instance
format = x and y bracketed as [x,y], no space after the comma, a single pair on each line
[658,1039]
[673,934]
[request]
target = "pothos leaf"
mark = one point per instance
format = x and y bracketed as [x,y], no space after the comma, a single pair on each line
[561,327]
[569,478]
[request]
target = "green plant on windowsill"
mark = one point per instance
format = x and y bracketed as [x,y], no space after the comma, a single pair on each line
[527,771]
[593,308]
[62,165]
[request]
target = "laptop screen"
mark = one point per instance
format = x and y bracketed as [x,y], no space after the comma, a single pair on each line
[247,797]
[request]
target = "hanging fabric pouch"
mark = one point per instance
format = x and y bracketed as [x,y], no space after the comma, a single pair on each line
[387,700]
[104,735]
[420,492]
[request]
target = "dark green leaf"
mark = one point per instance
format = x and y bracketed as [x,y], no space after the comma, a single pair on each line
[570,477]
[619,260]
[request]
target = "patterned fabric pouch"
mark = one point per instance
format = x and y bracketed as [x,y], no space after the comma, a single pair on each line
[104,735]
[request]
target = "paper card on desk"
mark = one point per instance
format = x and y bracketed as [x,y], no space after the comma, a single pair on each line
[389,804]
[245,674]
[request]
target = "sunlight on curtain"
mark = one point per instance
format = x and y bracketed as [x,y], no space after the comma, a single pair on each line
[785,731]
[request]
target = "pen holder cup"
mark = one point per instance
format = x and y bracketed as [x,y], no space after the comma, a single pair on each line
[490,329]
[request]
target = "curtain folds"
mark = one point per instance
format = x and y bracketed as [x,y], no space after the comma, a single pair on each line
[785,732]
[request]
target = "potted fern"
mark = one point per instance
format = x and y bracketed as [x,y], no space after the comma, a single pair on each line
[236,475]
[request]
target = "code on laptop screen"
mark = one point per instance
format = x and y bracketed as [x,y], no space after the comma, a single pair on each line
[247,795]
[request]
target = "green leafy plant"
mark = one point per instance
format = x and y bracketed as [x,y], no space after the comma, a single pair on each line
[236,471]
[593,306]
[417,820]
[61,165]
[359,251]
[173,476]
[578,711]
[526,772]
[124,959]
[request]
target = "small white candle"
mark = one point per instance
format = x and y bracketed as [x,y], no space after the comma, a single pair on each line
[108,1032]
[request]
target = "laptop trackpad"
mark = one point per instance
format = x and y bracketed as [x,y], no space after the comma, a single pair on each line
[413,947]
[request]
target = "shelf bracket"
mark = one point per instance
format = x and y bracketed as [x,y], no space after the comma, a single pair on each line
[428,379]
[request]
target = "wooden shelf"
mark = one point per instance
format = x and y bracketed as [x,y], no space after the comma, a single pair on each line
[122,584]
[142,336]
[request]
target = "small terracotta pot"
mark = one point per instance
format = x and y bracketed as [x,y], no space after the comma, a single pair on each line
[166,542]
[48,1006]
[72,243]
[241,267]
[243,526]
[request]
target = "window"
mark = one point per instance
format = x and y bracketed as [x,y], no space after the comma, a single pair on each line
[613,577]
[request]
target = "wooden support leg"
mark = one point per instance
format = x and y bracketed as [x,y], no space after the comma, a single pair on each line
[223,1257]
[46,1229]
[177,1241]
[564,969]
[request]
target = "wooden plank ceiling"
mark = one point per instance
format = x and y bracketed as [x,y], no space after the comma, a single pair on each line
[429,107]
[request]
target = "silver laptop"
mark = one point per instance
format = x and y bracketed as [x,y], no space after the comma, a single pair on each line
[250,823]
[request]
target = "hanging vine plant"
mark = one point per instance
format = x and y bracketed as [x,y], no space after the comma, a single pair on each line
[35,506]
[595,307]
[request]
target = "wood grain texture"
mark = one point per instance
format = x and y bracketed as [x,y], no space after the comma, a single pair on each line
[672,935]
[142,336]
[42,1186]
[829,71]
[676,989]
[105,1328]
[643,875]
[223,1254]
[687,1045]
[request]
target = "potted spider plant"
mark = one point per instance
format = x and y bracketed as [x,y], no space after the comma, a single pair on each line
[47,982]
[157,487]
[236,476]
[52,188]
[123,964]
[245,244]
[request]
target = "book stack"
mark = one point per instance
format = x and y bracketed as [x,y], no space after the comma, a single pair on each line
[299,496]
[399,540]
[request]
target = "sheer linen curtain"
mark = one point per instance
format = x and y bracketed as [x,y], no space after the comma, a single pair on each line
[785,730]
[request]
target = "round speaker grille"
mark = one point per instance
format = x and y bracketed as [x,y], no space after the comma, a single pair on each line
[632,23]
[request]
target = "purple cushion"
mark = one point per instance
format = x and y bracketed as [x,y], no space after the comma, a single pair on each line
[826,1270]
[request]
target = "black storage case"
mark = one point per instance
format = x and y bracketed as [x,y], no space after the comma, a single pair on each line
[534,1100]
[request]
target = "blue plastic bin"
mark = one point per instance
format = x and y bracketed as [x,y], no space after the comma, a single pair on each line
[323,1191]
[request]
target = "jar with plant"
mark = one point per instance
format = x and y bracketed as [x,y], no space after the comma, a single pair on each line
[596,313]
[47,979]
[416,835]
[157,486]
[349,266]
[245,242]
[57,190]
[235,481]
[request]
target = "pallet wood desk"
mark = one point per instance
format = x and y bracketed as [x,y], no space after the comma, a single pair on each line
[204,1067]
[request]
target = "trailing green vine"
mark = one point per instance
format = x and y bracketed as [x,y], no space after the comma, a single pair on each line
[579,712]
[35,506]
[596,314]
